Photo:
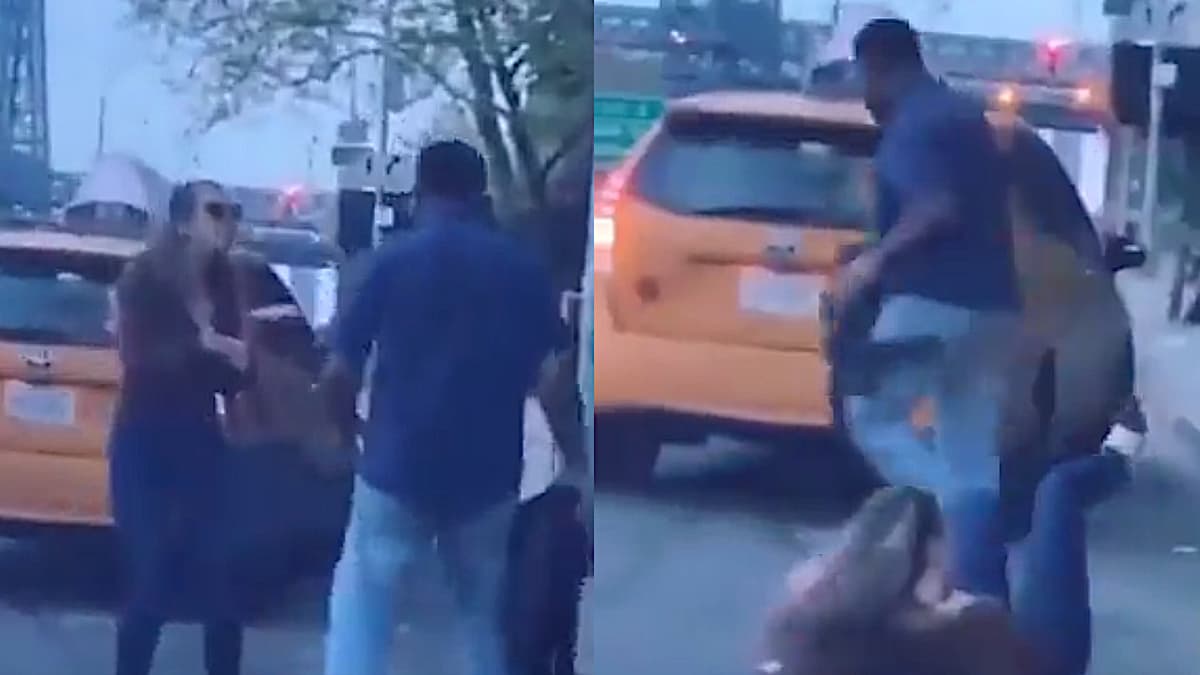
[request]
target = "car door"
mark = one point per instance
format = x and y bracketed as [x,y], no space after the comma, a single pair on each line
[293,475]
[1072,308]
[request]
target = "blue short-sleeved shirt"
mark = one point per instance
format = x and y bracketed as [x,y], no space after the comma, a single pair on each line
[938,142]
[461,317]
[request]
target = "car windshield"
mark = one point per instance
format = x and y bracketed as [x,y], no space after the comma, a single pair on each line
[54,298]
[314,289]
[780,173]
[292,249]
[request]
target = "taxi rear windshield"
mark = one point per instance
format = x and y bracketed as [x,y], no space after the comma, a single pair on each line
[782,172]
[56,298]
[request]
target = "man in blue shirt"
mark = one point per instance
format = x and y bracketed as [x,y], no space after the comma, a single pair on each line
[944,266]
[461,318]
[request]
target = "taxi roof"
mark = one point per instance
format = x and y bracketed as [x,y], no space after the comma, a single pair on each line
[799,106]
[49,240]
[776,104]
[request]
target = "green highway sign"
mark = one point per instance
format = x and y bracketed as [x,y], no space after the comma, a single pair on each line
[620,120]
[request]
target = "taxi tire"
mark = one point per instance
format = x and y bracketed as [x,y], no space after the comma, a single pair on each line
[626,452]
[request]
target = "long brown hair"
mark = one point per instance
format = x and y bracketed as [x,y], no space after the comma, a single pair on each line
[168,244]
[838,624]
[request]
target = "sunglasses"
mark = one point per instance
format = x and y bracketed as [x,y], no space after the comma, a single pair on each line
[224,212]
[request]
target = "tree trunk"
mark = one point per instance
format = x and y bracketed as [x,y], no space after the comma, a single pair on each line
[528,160]
[563,406]
[482,108]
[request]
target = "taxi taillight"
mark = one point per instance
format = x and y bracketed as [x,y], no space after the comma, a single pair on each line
[607,199]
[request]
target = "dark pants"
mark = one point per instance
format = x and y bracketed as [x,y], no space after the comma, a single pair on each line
[168,485]
[1051,606]
[548,563]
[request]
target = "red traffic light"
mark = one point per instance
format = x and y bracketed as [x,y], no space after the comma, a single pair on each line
[1051,53]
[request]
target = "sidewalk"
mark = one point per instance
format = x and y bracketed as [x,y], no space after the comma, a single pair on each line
[1168,374]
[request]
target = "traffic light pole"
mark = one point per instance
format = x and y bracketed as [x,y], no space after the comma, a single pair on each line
[1162,77]
[1153,145]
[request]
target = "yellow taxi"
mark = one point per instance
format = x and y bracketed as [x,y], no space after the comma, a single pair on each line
[697,335]
[60,374]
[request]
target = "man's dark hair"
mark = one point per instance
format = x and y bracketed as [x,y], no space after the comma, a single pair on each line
[183,199]
[451,169]
[891,42]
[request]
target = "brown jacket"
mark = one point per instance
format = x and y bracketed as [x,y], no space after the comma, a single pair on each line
[279,403]
[978,641]
[167,372]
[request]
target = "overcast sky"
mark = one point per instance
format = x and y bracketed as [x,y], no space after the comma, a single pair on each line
[1022,19]
[92,53]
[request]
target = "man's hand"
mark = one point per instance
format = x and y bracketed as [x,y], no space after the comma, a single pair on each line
[579,478]
[338,388]
[856,278]
[234,350]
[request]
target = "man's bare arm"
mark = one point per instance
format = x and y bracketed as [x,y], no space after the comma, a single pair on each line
[931,215]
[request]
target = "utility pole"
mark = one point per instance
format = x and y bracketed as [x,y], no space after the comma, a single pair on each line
[385,101]
[1162,77]
[101,123]
[385,81]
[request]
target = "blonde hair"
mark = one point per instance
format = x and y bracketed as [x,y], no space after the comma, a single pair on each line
[854,591]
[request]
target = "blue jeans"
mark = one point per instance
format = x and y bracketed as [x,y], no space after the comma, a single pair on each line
[383,543]
[965,382]
[1051,606]
[169,484]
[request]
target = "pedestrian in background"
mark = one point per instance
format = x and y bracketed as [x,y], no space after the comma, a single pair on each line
[944,267]
[461,318]
[178,330]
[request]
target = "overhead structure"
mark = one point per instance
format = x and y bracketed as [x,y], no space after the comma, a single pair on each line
[25,179]
[24,125]
[713,44]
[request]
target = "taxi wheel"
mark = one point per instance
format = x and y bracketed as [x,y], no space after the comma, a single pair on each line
[626,452]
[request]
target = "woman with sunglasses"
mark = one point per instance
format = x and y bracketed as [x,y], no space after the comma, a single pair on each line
[178,328]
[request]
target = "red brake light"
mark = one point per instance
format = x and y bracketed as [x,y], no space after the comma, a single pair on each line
[604,221]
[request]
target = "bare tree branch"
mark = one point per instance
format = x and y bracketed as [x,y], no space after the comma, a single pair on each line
[578,133]
[245,52]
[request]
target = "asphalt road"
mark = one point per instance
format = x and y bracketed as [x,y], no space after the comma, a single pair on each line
[57,617]
[58,602]
[686,570]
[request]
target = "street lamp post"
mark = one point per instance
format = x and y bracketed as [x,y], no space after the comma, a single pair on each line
[1162,77]
[385,81]
[102,123]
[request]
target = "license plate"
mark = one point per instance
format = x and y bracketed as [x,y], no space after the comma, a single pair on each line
[787,295]
[50,406]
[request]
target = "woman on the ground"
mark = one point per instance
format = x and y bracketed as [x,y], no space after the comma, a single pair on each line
[880,604]
[178,327]
[1051,605]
